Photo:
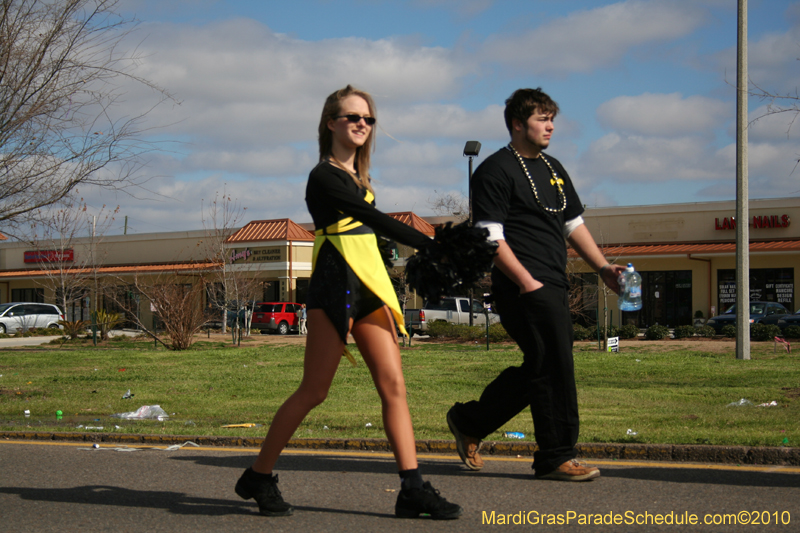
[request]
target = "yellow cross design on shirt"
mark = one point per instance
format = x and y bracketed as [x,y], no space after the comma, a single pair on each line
[553,181]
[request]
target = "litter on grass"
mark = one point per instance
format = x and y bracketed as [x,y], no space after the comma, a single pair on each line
[128,395]
[248,425]
[773,403]
[631,433]
[741,403]
[145,412]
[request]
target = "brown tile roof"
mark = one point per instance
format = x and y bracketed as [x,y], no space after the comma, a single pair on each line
[118,269]
[271,230]
[410,219]
[721,248]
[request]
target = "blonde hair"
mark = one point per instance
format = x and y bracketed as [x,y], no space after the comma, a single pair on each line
[331,110]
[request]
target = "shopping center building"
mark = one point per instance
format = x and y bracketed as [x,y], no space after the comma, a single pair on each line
[686,254]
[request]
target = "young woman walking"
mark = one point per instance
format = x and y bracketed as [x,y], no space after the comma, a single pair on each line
[350,292]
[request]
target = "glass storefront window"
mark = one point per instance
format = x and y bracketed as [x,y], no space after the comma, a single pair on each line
[766,284]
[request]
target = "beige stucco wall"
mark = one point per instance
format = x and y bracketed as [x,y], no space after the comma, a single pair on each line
[117,249]
[694,223]
[687,223]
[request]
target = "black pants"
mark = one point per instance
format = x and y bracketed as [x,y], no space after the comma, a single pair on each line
[540,324]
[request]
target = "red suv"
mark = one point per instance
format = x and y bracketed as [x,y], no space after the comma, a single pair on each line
[276,316]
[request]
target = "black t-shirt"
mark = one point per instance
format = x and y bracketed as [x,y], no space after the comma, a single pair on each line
[502,193]
[331,194]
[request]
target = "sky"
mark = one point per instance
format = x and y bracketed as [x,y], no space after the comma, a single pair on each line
[646,91]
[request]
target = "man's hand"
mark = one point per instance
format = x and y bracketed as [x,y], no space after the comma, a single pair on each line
[610,275]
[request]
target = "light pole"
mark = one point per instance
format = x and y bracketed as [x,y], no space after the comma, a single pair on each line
[742,194]
[471,150]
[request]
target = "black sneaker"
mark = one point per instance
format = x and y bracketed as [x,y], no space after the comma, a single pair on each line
[413,502]
[264,489]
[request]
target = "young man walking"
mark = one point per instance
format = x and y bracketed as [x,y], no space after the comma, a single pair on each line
[526,200]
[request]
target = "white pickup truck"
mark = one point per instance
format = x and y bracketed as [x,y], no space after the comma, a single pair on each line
[452,310]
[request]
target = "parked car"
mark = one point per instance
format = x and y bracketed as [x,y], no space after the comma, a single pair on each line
[278,317]
[760,313]
[22,316]
[452,310]
[789,320]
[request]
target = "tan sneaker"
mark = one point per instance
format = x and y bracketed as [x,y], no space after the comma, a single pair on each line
[572,470]
[468,447]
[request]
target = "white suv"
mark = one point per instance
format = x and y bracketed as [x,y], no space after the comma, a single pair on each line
[22,316]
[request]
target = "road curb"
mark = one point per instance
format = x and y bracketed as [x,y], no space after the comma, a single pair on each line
[751,455]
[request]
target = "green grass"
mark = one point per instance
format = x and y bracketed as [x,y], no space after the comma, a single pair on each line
[678,396]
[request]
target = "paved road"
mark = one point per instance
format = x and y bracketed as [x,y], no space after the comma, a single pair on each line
[71,487]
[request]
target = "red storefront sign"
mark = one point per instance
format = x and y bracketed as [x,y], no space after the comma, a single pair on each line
[757,222]
[49,256]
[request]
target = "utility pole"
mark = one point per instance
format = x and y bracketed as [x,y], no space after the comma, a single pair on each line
[742,195]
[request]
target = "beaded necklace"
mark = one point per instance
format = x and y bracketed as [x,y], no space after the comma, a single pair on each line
[556,181]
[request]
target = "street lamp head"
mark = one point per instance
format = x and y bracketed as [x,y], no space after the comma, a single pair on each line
[472,148]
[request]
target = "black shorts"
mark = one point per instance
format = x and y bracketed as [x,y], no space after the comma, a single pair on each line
[337,290]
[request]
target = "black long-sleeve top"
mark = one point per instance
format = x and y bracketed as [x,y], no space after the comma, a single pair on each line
[331,194]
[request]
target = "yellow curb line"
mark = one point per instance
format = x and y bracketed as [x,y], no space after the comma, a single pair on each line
[387,455]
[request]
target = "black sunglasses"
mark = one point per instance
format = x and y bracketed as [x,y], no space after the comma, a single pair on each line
[370,121]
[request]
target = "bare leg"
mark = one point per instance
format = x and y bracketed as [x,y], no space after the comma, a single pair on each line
[322,357]
[377,342]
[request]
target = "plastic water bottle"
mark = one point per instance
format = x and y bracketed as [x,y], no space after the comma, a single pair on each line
[630,290]
[514,435]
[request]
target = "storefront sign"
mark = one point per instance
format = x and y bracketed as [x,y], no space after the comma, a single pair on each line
[758,222]
[48,256]
[784,292]
[256,255]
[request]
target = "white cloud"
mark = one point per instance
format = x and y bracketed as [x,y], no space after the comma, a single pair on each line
[585,41]
[269,162]
[444,120]
[664,115]
[239,82]
[633,158]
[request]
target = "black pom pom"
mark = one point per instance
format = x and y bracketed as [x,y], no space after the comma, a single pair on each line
[457,257]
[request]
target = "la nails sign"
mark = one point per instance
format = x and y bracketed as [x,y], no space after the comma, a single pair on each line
[757,222]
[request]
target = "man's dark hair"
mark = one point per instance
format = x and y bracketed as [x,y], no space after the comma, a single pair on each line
[525,102]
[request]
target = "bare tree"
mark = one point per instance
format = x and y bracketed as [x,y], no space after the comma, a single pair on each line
[450,204]
[229,289]
[64,239]
[177,303]
[62,69]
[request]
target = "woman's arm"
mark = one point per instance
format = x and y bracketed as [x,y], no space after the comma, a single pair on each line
[332,186]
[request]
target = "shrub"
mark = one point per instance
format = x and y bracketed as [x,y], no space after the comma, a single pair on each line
[439,329]
[612,331]
[580,333]
[683,332]
[73,328]
[629,331]
[728,331]
[497,333]
[706,331]
[764,332]
[792,332]
[656,332]
[106,321]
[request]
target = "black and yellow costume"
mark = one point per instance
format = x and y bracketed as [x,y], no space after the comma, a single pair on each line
[349,279]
